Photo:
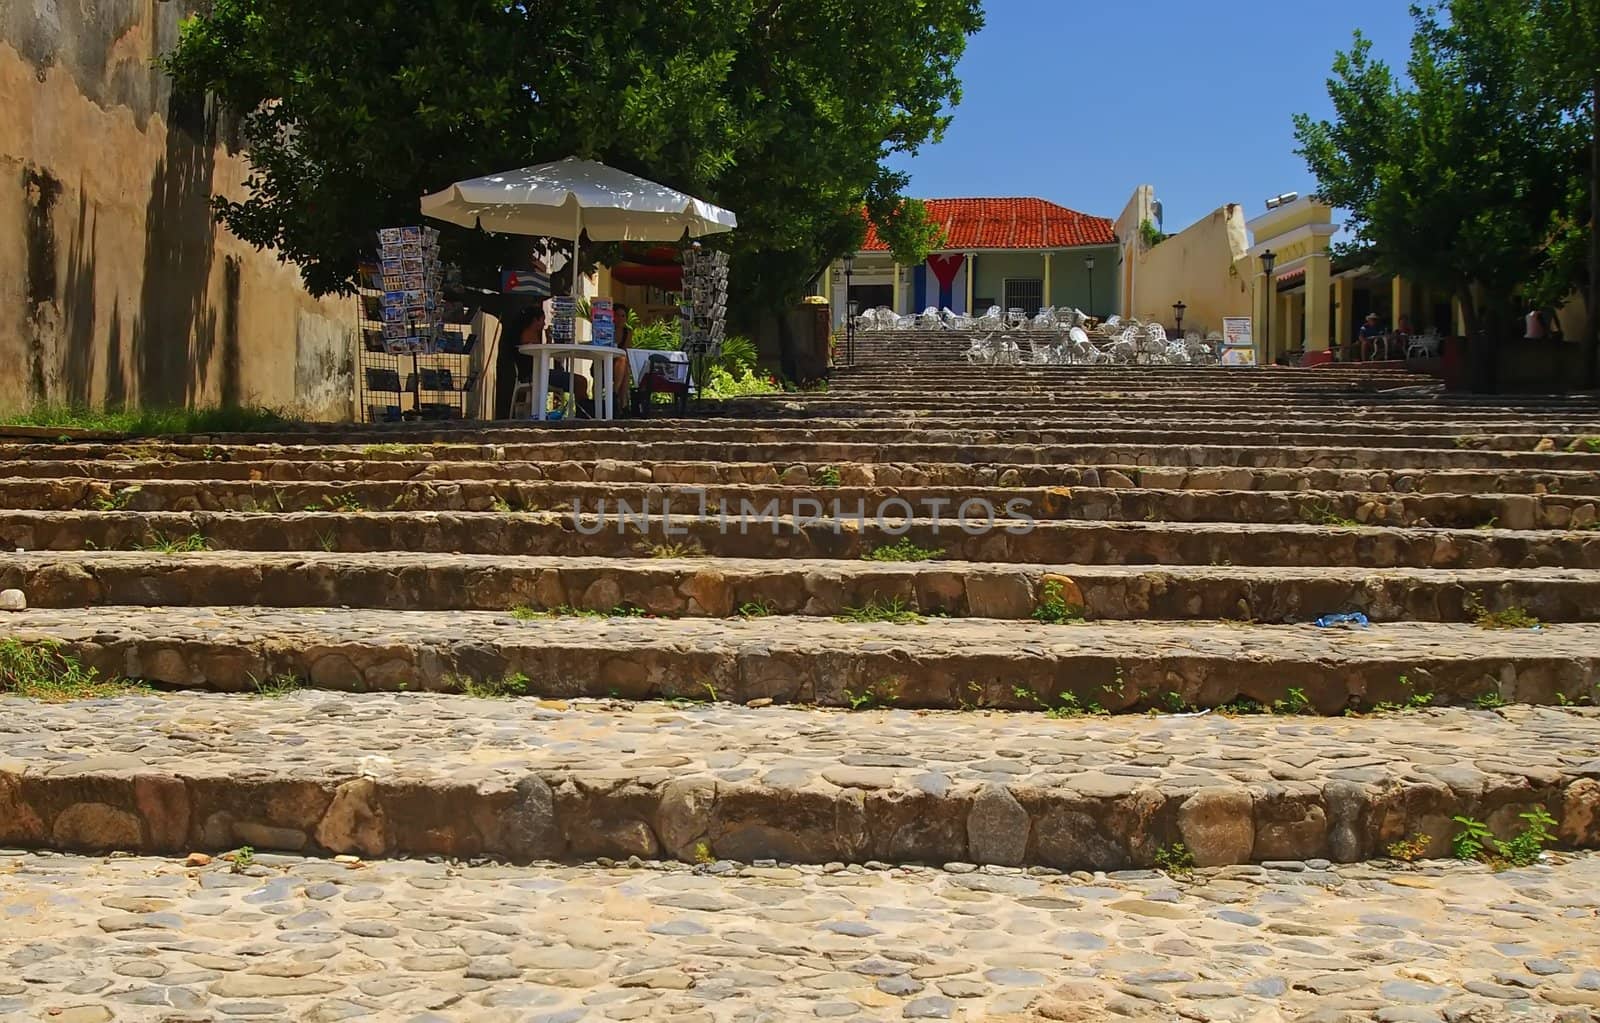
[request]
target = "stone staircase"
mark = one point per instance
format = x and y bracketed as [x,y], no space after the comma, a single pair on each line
[404,643]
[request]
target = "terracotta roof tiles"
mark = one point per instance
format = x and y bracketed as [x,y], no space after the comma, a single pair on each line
[1009,224]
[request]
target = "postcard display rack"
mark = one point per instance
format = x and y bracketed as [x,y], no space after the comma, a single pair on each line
[416,358]
[705,307]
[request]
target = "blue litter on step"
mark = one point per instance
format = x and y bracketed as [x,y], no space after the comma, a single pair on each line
[1355,620]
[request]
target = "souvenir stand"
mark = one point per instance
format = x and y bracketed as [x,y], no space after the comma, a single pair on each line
[704,309]
[416,351]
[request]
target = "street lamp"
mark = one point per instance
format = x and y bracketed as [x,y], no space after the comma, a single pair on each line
[1088,264]
[1177,311]
[1269,260]
[849,310]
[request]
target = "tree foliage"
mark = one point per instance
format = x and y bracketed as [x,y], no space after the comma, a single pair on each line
[779,110]
[1461,176]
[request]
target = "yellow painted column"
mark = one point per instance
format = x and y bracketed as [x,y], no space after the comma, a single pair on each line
[1262,326]
[1400,296]
[1047,300]
[1318,270]
[896,287]
[1459,315]
[1344,301]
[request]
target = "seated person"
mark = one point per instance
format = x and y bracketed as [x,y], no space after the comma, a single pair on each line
[529,329]
[1371,336]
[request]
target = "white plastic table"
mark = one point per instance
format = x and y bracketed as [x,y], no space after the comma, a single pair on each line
[602,357]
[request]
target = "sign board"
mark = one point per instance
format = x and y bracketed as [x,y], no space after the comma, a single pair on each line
[1238,341]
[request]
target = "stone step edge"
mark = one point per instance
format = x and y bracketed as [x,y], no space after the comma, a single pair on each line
[572,817]
[1002,475]
[1012,536]
[1123,502]
[719,588]
[982,664]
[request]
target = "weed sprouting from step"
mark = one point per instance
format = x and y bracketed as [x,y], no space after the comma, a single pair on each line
[328,541]
[894,612]
[500,505]
[1512,617]
[1474,840]
[903,550]
[506,686]
[1242,706]
[243,858]
[671,551]
[883,693]
[1408,850]
[1175,703]
[703,854]
[1492,522]
[397,450]
[757,609]
[1066,705]
[274,686]
[1324,514]
[116,500]
[161,544]
[1294,703]
[1052,607]
[530,614]
[150,422]
[1588,444]
[1490,700]
[1413,699]
[43,671]
[338,503]
[1176,860]
[827,476]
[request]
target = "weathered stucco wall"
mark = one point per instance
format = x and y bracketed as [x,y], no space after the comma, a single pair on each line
[116,285]
[1198,266]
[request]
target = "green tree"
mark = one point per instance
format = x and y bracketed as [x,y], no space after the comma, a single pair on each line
[781,111]
[1569,63]
[1461,176]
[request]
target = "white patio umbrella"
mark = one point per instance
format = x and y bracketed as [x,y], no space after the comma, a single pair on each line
[568,197]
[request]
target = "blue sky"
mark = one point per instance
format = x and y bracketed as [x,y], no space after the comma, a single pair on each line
[1079,101]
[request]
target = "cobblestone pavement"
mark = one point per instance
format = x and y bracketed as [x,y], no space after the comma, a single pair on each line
[423,736]
[88,940]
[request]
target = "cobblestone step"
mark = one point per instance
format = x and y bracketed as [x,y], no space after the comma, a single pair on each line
[1178,450]
[968,664]
[1001,535]
[312,940]
[1082,502]
[408,468]
[866,433]
[719,587]
[418,774]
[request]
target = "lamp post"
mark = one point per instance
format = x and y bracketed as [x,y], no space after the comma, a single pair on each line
[1088,264]
[1269,260]
[849,311]
[1178,309]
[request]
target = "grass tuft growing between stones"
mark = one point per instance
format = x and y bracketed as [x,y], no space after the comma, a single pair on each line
[117,500]
[1589,444]
[1053,609]
[531,614]
[1474,840]
[274,686]
[505,687]
[670,551]
[895,612]
[827,476]
[757,609]
[1176,860]
[903,550]
[1324,514]
[1512,617]
[161,544]
[1408,850]
[42,671]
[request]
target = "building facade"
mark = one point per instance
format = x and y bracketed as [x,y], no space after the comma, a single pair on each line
[1019,253]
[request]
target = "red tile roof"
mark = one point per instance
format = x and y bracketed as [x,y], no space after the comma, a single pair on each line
[1009,224]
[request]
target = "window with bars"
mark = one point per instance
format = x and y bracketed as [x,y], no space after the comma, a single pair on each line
[1025,293]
